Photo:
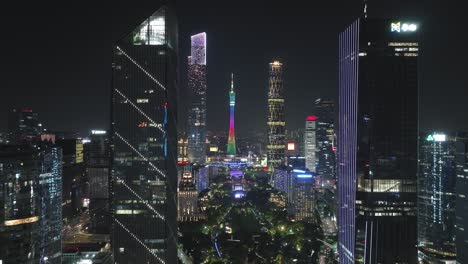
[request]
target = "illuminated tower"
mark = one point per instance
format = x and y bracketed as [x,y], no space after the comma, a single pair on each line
[231,149]
[197,86]
[275,122]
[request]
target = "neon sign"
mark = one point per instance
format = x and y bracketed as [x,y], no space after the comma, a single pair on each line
[403,27]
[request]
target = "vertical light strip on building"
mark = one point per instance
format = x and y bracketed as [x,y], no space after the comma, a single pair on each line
[348,90]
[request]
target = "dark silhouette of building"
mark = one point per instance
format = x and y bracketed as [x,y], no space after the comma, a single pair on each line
[144,142]
[462,197]
[377,141]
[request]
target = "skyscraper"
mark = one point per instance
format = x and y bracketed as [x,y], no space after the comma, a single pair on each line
[198,88]
[20,205]
[436,198]
[326,160]
[23,125]
[275,121]
[303,194]
[144,142]
[97,170]
[31,202]
[50,193]
[231,148]
[310,142]
[188,199]
[462,198]
[377,137]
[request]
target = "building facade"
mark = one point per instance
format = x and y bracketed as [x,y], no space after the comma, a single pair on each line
[20,205]
[188,210]
[276,120]
[325,134]
[378,142]
[98,172]
[436,198]
[198,89]
[303,195]
[50,195]
[23,125]
[310,142]
[462,198]
[144,142]
[31,202]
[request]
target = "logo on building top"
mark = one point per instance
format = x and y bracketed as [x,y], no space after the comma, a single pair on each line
[403,27]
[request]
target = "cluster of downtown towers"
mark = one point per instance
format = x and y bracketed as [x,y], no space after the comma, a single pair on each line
[377,161]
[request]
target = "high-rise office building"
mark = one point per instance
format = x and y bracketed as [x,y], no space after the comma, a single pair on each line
[231,148]
[378,142]
[303,194]
[187,195]
[50,193]
[436,198]
[144,142]
[198,89]
[310,142]
[462,198]
[325,133]
[98,172]
[23,125]
[20,205]
[275,121]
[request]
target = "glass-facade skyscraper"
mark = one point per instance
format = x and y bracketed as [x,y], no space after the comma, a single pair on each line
[436,198]
[98,172]
[276,145]
[325,134]
[198,89]
[144,142]
[310,142]
[31,204]
[378,141]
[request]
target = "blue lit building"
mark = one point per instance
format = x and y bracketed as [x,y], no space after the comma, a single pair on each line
[50,192]
[378,142]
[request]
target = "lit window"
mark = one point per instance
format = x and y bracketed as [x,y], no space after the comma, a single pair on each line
[121,250]
[142,101]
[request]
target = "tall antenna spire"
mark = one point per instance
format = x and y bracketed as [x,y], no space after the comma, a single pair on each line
[365,8]
[232,81]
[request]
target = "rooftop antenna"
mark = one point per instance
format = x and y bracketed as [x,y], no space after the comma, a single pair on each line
[232,82]
[365,8]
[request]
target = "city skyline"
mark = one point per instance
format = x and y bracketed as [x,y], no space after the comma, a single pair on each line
[347,143]
[229,53]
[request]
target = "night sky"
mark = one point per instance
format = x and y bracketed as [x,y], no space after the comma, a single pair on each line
[56,59]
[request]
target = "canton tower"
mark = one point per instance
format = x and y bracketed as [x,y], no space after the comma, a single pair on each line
[231,149]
